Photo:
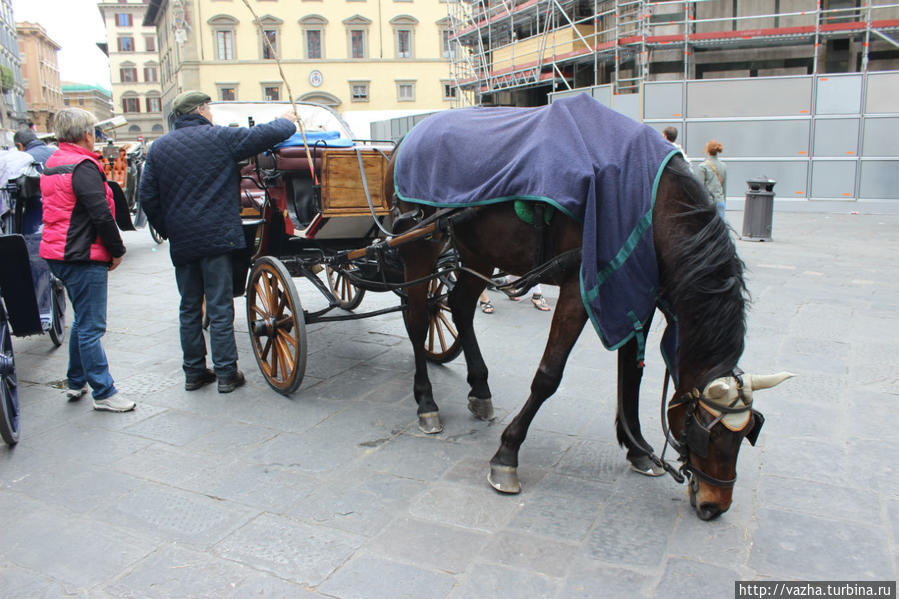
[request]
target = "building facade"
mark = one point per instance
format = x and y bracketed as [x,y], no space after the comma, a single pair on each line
[518,51]
[13,114]
[93,98]
[360,56]
[134,69]
[40,74]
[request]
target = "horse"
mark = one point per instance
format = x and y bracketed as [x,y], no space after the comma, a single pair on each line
[700,280]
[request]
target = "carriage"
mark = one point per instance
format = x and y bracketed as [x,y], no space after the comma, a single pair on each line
[317,210]
[32,300]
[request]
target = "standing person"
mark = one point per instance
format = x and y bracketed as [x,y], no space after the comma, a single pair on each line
[81,244]
[713,174]
[670,134]
[27,141]
[190,191]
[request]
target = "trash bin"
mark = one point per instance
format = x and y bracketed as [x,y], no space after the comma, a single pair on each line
[758,211]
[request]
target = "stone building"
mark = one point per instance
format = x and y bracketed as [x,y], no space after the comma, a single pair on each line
[40,74]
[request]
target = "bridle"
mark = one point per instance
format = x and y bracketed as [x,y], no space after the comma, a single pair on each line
[695,437]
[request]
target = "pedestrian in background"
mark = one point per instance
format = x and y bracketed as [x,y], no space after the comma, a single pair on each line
[670,134]
[190,191]
[81,243]
[27,141]
[713,174]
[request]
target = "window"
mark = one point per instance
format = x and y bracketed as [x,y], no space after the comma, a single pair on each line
[154,104]
[449,90]
[224,41]
[223,27]
[150,44]
[403,26]
[314,31]
[134,129]
[271,28]
[227,93]
[405,91]
[131,104]
[151,74]
[271,93]
[357,36]
[126,44]
[448,47]
[128,73]
[123,19]
[359,91]
[81,101]
[270,47]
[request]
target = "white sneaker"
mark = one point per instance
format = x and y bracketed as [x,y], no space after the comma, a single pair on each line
[76,394]
[114,403]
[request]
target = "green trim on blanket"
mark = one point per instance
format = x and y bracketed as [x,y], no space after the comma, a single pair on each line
[525,212]
[587,296]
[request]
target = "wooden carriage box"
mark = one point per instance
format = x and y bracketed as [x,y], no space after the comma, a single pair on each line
[342,185]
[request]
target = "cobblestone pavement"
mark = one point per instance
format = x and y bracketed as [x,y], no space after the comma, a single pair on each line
[333,492]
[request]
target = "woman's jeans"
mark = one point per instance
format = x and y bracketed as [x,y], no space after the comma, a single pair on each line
[210,277]
[85,282]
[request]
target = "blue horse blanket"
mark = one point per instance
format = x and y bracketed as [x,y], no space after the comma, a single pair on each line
[596,165]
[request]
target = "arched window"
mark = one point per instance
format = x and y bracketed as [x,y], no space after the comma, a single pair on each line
[403,29]
[223,27]
[134,129]
[130,102]
[271,29]
[151,72]
[357,36]
[157,128]
[313,27]
[127,72]
[320,98]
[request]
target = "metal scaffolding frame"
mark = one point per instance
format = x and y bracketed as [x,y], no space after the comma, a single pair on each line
[502,45]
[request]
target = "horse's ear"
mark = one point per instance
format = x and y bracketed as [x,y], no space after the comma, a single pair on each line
[766,381]
[717,389]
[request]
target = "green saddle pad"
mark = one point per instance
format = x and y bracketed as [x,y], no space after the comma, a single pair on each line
[525,211]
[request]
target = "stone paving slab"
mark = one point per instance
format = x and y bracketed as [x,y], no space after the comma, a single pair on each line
[334,492]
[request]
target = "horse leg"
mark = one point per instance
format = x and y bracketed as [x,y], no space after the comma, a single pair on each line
[419,260]
[463,302]
[629,376]
[568,322]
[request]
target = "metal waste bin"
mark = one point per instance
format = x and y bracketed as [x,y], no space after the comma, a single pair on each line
[758,211]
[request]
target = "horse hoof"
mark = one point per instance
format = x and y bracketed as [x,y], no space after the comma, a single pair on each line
[429,423]
[481,408]
[504,479]
[643,465]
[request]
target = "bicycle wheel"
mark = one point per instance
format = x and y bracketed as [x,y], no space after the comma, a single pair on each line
[58,313]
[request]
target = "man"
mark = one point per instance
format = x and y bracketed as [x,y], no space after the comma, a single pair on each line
[27,141]
[190,191]
[81,243]
[670,134]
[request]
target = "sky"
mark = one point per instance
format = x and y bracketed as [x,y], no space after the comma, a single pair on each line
[77,26]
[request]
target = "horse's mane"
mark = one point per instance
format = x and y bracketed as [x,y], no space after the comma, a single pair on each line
[705,280]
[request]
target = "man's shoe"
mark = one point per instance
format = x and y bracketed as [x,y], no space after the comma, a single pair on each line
[114,403]
[230,383]
[192,383]
[76,394]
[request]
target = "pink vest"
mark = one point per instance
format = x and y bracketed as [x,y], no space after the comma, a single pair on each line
[59,202]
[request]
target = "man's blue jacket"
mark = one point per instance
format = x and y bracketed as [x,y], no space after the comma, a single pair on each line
[190,186]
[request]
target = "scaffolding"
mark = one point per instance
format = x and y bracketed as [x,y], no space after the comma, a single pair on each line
[508,45]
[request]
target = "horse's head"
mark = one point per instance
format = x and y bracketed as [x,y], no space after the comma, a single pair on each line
[707,429]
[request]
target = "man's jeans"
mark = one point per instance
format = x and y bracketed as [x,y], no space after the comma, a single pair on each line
[85,283]
[208,277]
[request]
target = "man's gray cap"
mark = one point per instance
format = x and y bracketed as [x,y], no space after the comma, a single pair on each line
[189,100]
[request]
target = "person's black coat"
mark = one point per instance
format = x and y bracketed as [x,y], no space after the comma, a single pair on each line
[190,186]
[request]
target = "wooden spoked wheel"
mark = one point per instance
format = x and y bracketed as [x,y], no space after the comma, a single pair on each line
[442,343]
[58,312]
[343,289]
[9,389]
[277,325]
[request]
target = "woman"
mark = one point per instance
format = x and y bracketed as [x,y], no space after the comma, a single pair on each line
[713,174]
[81,243]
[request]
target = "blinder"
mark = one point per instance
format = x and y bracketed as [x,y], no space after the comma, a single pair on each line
[697,436]
[758,420]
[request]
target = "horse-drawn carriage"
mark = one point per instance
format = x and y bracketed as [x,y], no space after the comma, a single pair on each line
[314,207]
[32,300]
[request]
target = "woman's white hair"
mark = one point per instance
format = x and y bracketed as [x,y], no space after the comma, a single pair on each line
[71,124]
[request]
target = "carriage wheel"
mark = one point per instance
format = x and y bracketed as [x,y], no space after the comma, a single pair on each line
[343,289]
[277,325]
[442,343]
[9,390]
[155,234]
[58,312]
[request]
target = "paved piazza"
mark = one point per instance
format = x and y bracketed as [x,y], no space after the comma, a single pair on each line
[333,492]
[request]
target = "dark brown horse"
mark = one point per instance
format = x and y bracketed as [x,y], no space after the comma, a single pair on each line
[700,276]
